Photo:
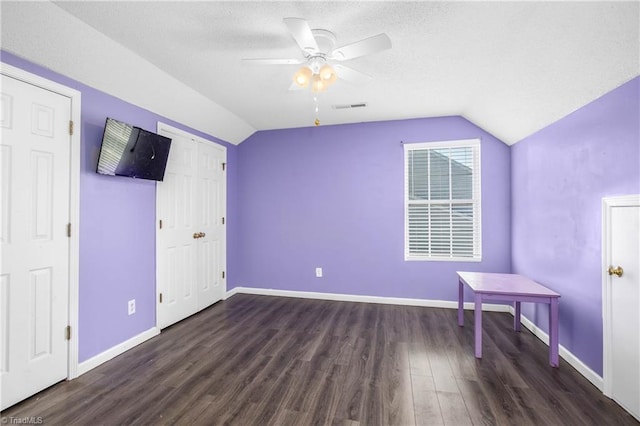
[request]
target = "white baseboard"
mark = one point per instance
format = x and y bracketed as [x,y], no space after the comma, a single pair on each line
[489,307]
[573,360]
[113,352]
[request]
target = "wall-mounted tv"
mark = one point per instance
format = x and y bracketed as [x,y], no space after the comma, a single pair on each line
[133,152]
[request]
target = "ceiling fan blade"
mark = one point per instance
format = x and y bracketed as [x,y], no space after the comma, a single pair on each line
[301,32]
[294,87]
[260,61]
[367,46]
[351,75]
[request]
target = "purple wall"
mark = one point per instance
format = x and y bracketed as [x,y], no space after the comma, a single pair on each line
[117,225]
[559,177]
[332,196]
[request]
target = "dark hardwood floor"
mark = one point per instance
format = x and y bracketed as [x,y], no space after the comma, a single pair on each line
[283,361]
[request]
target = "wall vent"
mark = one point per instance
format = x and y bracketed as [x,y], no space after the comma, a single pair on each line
[349,106]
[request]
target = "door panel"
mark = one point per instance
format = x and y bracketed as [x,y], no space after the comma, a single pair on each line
[42,181]
[35,152]
[4,324]
[40,304]
[5,186]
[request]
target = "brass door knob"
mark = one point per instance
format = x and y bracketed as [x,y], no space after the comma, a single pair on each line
[202,235]
[196,235]
[615,271]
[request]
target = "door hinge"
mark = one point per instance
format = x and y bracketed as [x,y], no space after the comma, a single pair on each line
[70,128]
[68,332]
[224,165]
[160,223]
[69,230]
[160,297]
[222,274]
[223,220]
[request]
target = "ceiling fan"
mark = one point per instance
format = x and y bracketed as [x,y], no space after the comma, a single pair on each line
[319,69]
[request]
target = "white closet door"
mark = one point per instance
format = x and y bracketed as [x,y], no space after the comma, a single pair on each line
[34,274]
[191,247]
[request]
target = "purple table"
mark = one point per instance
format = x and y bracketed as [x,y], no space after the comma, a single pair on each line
[512,288]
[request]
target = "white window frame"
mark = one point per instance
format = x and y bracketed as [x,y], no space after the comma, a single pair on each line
[476,200]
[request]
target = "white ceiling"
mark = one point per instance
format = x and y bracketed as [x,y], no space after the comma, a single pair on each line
[510,67]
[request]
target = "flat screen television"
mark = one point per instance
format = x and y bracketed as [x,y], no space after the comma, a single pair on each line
[133,152]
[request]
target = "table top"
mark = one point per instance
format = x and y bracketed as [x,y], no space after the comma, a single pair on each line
[513,284]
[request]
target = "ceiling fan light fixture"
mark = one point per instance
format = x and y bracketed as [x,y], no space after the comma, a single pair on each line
[317,47]
[328,74]
[303,76]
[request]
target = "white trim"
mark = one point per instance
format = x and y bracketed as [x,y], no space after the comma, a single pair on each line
[607,204]
[489,307]
[442,144]
[233,292]
[565,354]
[113,352]
[426,258]
[74,199]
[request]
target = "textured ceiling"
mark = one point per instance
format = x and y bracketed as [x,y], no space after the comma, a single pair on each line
[510,67]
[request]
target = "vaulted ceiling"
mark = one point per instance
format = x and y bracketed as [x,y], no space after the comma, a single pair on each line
[510,67]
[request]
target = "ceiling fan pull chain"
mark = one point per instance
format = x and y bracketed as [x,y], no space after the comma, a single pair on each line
[315,100]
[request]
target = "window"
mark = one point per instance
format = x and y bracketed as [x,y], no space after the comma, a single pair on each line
[442,201]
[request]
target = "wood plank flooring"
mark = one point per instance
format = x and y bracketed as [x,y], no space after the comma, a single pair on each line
[260,360]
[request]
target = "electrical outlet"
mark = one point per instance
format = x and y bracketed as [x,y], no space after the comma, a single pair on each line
[132,306]
[318,272]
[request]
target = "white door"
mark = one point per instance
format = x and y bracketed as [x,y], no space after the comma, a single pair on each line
[34,276]
[176,204]
[211,250]
[622,289]
[191,241]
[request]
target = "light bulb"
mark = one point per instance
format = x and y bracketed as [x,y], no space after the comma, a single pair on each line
[328,74]
[317,84]
[302,77]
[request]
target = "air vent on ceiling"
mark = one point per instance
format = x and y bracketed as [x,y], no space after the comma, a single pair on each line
[349,106]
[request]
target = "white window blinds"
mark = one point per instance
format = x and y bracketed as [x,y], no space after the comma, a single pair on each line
[442,201]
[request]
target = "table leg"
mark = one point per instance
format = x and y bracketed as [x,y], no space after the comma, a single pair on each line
[516,318]
[478,324]
[553,333]
[460,303]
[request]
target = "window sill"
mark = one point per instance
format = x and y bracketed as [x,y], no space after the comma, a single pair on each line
[442,259]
